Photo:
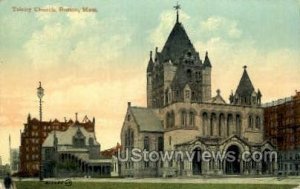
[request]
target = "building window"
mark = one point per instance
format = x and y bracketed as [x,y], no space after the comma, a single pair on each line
[172,119]
[198,76]
[78,142]
[189,74]
[187,94]
[129,138]
[192,119]
[257,122]
[160,144]
[183,118]
[168,120]
[146,143]
[204,123]
[91,141]
[250,124]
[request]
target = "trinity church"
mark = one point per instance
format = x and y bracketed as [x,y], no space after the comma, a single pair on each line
[182,115]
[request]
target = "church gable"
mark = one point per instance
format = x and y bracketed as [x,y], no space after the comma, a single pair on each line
[218,99]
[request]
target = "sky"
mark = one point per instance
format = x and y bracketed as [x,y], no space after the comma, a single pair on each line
[94,63]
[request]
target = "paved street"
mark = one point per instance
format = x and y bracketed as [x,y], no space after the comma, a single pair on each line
[237,180]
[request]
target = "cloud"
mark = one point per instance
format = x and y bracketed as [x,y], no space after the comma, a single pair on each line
[273,72]
[76,38]
[216,25]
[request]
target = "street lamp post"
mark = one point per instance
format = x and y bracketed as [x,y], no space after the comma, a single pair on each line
[40,94]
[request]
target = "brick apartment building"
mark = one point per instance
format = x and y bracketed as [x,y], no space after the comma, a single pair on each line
[282,127]
[33,136]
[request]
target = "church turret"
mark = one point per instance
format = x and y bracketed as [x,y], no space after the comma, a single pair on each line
[206,77]
[259,95]
[149,81]
[28,118]
[245,93]
[206,61]
[150,63]
[178,64]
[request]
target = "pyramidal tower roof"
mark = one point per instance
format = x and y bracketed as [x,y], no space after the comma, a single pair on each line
[178,41]
[245,87]
[207,61]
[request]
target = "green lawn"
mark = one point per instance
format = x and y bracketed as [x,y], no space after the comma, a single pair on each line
[95,185]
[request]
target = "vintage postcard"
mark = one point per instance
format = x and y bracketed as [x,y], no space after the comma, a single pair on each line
[150,94]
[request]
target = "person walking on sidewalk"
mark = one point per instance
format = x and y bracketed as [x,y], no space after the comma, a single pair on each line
[8,182]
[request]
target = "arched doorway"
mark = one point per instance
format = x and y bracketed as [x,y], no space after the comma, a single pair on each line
[197,169]
[232,161]
[266,162]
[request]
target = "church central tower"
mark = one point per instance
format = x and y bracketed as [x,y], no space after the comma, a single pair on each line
[177,74]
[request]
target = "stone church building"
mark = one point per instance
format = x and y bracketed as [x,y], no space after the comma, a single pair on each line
[182,115]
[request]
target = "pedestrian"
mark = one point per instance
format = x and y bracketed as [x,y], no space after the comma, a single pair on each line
[8,182]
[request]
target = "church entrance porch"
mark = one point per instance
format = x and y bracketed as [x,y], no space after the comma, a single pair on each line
[232,161]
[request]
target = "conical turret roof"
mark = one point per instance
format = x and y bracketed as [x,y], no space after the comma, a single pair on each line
[177,43]
[206,61]
[150,63]
[245,87]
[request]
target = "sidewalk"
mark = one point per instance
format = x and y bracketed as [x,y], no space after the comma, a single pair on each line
[228,180]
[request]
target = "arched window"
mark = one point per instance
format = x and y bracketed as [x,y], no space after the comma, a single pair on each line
[221,125]
[193,96]
[129,138]
[192,118]
[189,74]
[91,141]
[250,124]
[213,125]
[172,119]
[168,120]
[257,122]
[146,143]
[166,97]
[204,123]
[183,118]
[187,94]
[229,124]
[238,124]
